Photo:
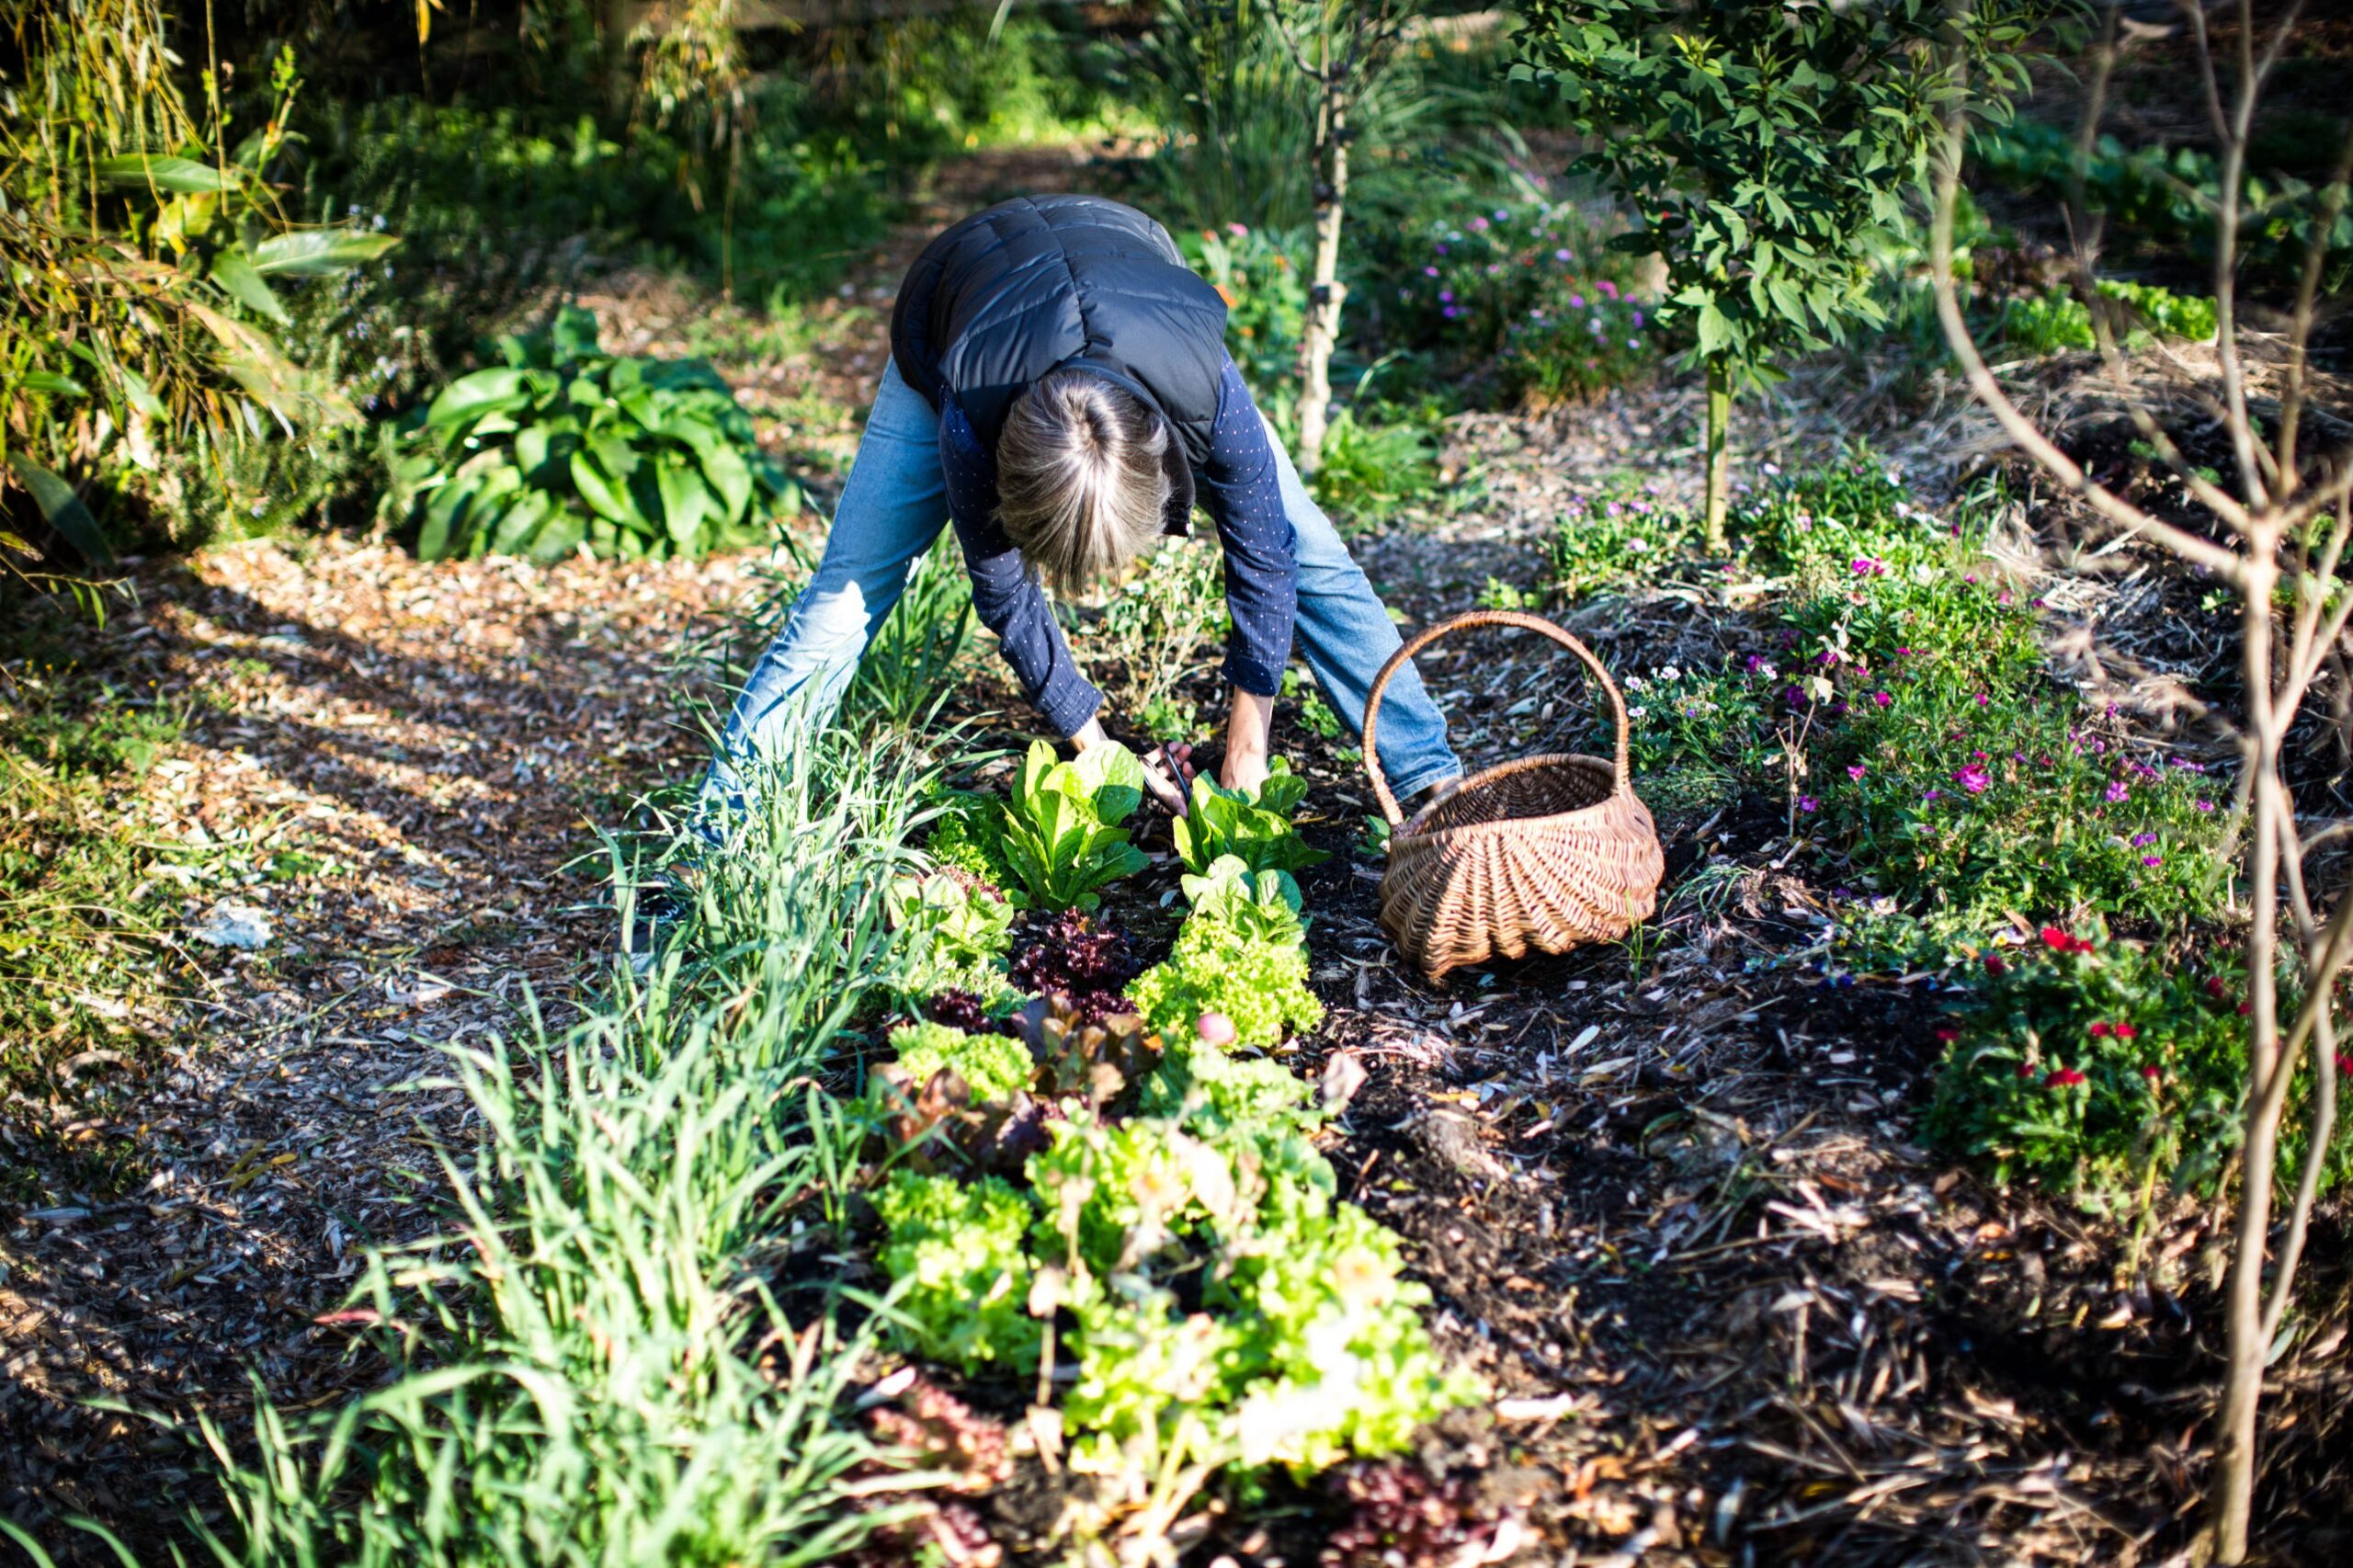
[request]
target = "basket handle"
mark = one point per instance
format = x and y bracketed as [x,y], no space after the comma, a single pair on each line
[1462,623]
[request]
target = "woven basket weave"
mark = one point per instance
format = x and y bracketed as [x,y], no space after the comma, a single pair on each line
[1547,854]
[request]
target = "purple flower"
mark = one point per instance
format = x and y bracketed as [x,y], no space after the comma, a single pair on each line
[2120,790]
[1881,698]
[1973,777]
[1561,256]
[1446,296]
[2205,805]
[1808,804]
[1503,215]
[1430,272]
[2141,839]
[1793,696]
[1864,566]
[1577,301]
[1452,312]
[2153,859]
[1638,319]
[1983,700]
[1932,795]
[1478,225]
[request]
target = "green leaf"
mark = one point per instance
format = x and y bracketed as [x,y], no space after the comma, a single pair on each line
[319,252]
[468,397]
[685,499]
[64,510]
[1715,332]
[241,283]
[574,333]
[606,499]
[182,176]
[49,381]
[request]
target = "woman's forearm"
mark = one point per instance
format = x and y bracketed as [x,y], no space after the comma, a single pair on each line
[1249,734]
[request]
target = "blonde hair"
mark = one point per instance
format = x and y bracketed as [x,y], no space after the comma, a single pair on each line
[1082,481]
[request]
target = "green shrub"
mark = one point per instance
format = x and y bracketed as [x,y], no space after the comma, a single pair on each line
[2105,1073]
[563,445]
[2050,322]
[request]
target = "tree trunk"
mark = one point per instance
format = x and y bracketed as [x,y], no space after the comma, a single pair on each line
[1325,290]
[2245,1347]
[1719,456]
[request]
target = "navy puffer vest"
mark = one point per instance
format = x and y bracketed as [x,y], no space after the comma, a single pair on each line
[1044,282]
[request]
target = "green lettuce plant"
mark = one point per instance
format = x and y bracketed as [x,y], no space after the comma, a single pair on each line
[1260,984]
[954,1250]
[994,1066]
[564,445]
[1252,826]
[953,934]
[1061,835]
[1262,906]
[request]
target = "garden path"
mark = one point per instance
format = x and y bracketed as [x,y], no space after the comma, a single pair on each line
[397,765]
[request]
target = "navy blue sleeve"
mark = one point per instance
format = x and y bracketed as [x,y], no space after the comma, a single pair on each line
[1006,594]
[1240,492]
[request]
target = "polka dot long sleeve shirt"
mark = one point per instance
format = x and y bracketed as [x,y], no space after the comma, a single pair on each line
[1238,486]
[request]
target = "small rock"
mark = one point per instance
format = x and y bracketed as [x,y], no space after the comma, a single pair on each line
[233,924]
[1343,1074]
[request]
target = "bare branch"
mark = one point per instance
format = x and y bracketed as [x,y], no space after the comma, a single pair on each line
[2291,398]
[2226,564]
[2291,1247]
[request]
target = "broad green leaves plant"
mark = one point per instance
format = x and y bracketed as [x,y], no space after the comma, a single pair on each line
[563,445]
[1063,837]
[1253,827]
[994,1066]
[1766,152]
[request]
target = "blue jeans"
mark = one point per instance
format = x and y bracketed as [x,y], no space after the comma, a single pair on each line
[895,505]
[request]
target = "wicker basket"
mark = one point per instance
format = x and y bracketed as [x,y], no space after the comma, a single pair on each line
[1548,853]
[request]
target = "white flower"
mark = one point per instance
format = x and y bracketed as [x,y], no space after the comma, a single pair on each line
[1670,673]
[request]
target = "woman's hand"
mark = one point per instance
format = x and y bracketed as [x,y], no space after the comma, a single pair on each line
[1249,729]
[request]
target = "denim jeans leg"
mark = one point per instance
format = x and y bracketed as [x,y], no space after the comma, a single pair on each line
[893,507]
[1346,635]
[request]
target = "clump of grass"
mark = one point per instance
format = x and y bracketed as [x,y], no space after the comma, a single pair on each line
[595,1365]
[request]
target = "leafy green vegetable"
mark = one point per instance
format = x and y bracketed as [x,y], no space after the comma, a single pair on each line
[1260,984]
[1061,835]
[953,935]
[1222,1093]
[956,1252]
[564,445]
[1253,826]
[1263,905]
[994,1066]
[969,835]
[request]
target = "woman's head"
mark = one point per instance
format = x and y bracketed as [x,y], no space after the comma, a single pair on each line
[1082,480]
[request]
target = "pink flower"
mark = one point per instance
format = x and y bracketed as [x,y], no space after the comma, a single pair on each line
[1478,225]
[1237,230]
[1881,698]
[1855,771]
[2205,805]
[2119,791]
[1561,256]
[1864,566]
[1430,272]
[1577,301]
[2062,1078]
[1972,778]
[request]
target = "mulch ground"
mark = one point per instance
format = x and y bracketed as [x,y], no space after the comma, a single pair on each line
[432,743]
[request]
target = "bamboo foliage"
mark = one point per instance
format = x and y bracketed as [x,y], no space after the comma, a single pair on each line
[142,257]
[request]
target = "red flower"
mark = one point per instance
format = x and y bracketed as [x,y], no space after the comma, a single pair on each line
[2100,1031]
[2124,1031]
[1995,964]
[2345,1064]
[2214,986]
[2154,1075]
[1948,1036]
[2062,1078]
[2055,938]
